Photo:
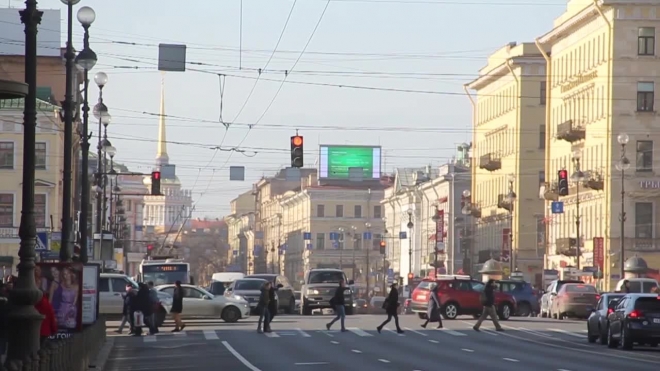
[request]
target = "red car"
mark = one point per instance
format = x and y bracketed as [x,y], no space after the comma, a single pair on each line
[459,295]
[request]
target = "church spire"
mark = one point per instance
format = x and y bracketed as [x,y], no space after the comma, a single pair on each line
[161,154]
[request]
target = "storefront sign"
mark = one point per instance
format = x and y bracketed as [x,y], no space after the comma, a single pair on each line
[90,293]
[649,184]
[579,81]
[599,252]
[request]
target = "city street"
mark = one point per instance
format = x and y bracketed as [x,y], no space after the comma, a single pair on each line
[303,343]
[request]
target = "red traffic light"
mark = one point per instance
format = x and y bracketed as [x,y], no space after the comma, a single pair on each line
[563,174]
[156,175]
[382,243]
[297,141]
[411,276]
[150,247]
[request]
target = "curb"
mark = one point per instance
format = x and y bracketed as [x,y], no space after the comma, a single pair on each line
[104,354]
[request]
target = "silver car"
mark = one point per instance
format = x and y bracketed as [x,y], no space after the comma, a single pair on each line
[248,289]
[198,302]
[320,286]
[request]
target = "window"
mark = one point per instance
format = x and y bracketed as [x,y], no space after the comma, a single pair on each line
[477,286]
[40,153]
[646,41]
[644,155]
[104,285]
[542,93]
[40,210]
[320,241]
[6,155]
[376,238]
[320,211]
[357,211]
[643,220]
[357,241]
[189,292]
[645,96]
[6,210]
[118,285]
[542,136]
[339,211]
[377,212]
[541,177]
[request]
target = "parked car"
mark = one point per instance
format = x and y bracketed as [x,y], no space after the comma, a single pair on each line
[550,293]
[637,285]
[111,302]
[248,289]
[574,300]
[598,322]
[285,293]
[459,295]
[527,298]
[297,294]
[361,306]
[199,303]
[635,319]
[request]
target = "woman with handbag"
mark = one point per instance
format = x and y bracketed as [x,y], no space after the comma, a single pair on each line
[140,307]
[433,311]
[391,306]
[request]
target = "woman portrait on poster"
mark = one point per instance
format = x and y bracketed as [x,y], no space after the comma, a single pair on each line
[67,316]
[41,281]
[55,289]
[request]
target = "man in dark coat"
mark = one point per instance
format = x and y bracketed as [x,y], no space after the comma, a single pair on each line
[140,303]
[391,306]
[488,301]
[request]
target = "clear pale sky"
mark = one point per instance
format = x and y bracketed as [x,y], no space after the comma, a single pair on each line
[424,45]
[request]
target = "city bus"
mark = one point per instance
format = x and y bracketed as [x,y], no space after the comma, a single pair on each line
[165,271]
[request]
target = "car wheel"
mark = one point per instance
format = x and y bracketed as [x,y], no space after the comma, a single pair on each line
[561,316]
[231,314]
[591,338]
[626,342]
[602,335]
[505,312]
[160,317]
[450,311]
[292,306]
[611,343]
[524,310]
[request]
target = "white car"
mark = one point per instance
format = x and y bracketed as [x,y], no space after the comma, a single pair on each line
[199,303]
[111,300]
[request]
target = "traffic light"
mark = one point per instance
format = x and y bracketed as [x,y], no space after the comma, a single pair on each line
[297,151]
[155,183]
[150,249]
[382,247]
[562,185]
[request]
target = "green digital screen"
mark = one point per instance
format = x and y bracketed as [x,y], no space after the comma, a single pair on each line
[336,161]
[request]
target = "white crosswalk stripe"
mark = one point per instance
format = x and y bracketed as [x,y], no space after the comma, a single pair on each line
[210,335]
[359,332]
[451,332]
[566,332]
[271,334]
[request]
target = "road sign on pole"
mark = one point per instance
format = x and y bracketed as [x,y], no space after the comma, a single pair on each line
[42,241]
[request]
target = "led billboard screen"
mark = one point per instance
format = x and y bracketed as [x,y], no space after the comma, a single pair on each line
[335,162]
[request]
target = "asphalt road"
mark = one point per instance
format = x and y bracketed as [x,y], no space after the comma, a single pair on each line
[303,343]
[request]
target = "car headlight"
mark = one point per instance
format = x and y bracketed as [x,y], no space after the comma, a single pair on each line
[238,297]
[355,305]
[312,292]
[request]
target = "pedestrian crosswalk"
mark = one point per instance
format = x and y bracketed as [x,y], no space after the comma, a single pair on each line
[428,334]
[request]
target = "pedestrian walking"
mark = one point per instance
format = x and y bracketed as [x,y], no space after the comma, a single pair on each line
[262,309]
[272,302]
[177,307]
[338,302]
[140,308]
[488,302]
[126,313]
[391,306]
[155,303]
[433,309]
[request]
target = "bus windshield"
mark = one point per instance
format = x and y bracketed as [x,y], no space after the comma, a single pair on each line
[161,274]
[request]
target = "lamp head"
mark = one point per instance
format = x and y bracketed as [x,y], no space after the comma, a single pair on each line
[86,16]
[623,138]
[101,78]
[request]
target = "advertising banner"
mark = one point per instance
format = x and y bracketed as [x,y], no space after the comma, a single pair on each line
[440,226]
[90,293]
[599,252]
[63,283]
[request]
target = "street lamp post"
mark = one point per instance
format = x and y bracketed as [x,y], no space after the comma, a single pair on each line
[24,321]
[578,178]
[466,212]
[622,166]
[67,106]
[342,238]
[410,226]
[367,226]
[86,60]
[101,114]
[511,197]
[436,219]
[355,238]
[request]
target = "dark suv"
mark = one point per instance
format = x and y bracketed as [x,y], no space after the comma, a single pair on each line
[527,299]
[285,294]
[459,295]
[319,287]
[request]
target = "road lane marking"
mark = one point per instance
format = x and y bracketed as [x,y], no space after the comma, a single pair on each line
[327,333]
[488,331]
[356,351]
[149,339]
[334,342]
[394,332]
[311,363]
[271,334]
[383,360]
[562,369]
[434,341]
[210,335]
[239,357]
[358,332]
[303,333]
[510,360]
[415,331]
[467,350]
[567,333]
[451,332]
[180,333]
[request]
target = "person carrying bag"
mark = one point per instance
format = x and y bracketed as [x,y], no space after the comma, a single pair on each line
[433,310]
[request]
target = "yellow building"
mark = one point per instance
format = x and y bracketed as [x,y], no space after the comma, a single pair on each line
[48,192]
[240,227]
[602,77]
[324,211]
[508,147]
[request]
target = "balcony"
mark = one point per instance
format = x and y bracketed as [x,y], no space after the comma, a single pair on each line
[643,244]
[490,162]
[594,181]
[550,192]
[570,132]
[566,246]
[504,203]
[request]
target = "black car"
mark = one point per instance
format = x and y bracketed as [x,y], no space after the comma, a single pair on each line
[285,294]
[597,322]
[635,319]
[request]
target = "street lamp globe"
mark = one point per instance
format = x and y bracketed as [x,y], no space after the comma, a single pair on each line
[623,164]
[511,197]
[578,176]
[110,150]
[70,2]
[466,193]
[116,189]
[512,178]
[86,59]
[106,119]
[86,16]
[623,138]
[101,78]
[112,174]
[410,212]
[99,110]
[367,225]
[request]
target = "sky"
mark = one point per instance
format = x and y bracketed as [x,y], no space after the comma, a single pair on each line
[373,72]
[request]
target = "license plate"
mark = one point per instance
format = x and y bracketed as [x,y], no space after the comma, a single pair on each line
[656,320]
[421,297]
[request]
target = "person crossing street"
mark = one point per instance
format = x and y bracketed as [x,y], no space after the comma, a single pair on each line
[337,302]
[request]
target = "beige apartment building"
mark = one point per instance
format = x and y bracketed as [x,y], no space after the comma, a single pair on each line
[508,148]
[324,211]
[48,191]
[601,85]
[241,237]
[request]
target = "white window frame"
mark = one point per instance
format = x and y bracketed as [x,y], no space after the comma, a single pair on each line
[47,163]
[15,204]
[13,166]
[652,219]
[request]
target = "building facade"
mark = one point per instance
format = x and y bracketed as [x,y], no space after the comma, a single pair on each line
[601,86]
[350,213]
[48,186]
[241,236]
[509,148]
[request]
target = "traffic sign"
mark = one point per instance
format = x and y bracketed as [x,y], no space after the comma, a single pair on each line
[557,207]
[334,236]
[309,246]
[307,236]
[403,235]
[42,241]
[335,244]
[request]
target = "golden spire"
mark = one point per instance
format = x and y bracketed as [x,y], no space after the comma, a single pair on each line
[161,154]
